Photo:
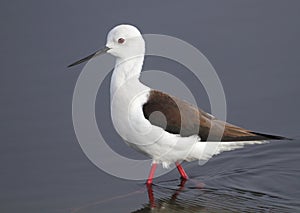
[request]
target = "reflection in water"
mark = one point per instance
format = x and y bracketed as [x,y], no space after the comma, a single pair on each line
[263,179]
[191,196]
[167,204]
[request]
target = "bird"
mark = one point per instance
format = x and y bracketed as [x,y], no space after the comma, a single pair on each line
[161,126]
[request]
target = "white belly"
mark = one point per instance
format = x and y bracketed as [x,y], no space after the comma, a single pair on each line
[130,123]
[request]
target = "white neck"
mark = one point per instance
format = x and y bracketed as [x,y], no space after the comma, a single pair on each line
[124,70]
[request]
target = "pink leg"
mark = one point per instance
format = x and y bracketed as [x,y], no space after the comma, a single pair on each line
[151,196]
[151,174]
[181,171]
[149,185]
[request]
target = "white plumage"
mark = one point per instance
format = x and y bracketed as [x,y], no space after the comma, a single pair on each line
[133,102]
[128,95]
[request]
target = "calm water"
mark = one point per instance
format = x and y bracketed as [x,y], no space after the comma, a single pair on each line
[257,179]
[254,47]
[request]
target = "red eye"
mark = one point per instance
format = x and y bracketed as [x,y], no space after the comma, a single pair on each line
[121,40]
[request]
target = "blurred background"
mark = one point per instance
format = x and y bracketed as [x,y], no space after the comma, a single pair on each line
[254,48]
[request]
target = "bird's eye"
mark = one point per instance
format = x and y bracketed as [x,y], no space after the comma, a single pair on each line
[121,40]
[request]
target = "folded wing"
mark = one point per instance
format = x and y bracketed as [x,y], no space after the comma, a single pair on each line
[185,119]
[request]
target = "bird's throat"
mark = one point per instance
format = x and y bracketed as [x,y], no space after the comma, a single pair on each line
[124,71]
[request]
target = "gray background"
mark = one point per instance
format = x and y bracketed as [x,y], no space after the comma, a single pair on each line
[253,45]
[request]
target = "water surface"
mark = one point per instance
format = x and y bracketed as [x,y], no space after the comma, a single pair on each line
[254,47]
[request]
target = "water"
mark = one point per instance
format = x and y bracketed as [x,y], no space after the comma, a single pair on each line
[254,47]
[245,180]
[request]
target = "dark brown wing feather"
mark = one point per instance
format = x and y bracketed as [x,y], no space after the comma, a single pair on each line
[185,119]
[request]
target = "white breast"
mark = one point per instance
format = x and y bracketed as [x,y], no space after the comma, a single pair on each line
[130,123]
[128,96]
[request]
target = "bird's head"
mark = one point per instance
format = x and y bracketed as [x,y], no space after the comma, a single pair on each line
[123,41]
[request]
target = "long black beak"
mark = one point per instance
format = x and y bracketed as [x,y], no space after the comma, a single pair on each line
[99,52]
